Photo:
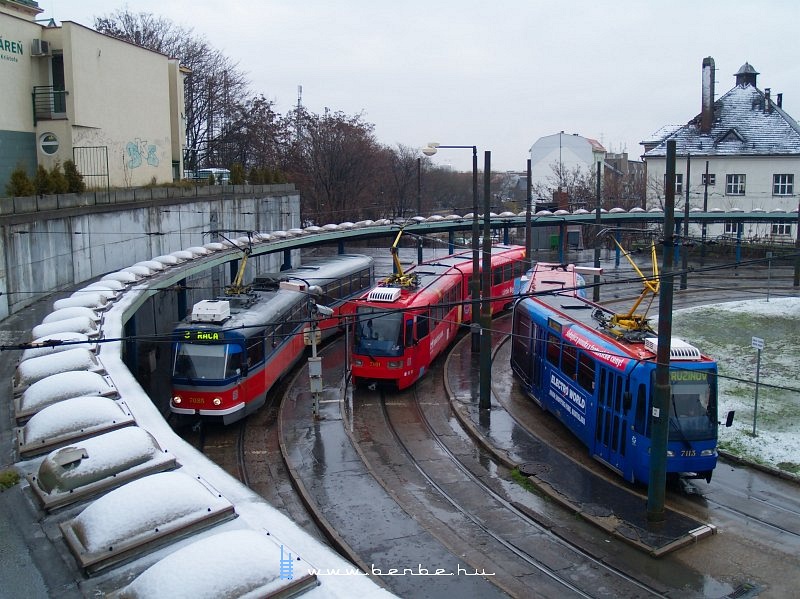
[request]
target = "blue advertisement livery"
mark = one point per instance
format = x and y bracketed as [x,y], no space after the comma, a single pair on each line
[599,382]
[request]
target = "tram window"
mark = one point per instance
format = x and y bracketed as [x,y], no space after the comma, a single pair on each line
[586,372]
[255,350]
[640,424]
[508,272]
[409,332]
[553,349]
[601,395]
[497,277]
[422,326]
[618,394]
[233,365]
[569,360]
[615,434]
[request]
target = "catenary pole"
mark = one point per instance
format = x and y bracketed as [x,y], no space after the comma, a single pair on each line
[685,240]
[485,401]
[597,222]
[659,416]
[528,208]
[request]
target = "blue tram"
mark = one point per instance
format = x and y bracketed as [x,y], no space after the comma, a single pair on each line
[599,382]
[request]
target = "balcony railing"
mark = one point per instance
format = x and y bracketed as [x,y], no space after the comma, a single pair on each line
[48,103]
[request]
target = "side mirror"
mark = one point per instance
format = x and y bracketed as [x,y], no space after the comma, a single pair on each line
[729,418]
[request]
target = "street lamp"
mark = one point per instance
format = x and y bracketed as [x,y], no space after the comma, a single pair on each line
[475,283]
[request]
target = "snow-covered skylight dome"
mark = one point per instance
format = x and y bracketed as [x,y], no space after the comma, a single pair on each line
[59,387]
[94,465]
[236,563]
[74,418]
[134,518]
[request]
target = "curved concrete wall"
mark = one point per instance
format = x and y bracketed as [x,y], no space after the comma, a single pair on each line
[56,242]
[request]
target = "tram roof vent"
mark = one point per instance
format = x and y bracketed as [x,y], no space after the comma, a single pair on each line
[384,294]
[678,349]
[215,311]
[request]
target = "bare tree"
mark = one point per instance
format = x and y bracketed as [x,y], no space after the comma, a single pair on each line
[337,161]
[404,179]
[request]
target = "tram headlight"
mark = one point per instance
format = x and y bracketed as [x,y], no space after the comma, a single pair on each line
[395,363]
[358,362]
[216,401]
[670,453]
[707,453]
[176,400]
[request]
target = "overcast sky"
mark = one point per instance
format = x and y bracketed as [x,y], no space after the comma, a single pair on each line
[495,75]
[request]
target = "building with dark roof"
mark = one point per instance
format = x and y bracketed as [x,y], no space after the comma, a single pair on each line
[743,152]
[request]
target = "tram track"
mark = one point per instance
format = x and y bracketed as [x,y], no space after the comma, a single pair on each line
[515,518]
[466,513]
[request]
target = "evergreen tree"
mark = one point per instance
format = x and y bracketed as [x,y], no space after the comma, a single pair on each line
[75,182]
[237,174]
[58,182]
[19,184]
[41,181]
[254,177]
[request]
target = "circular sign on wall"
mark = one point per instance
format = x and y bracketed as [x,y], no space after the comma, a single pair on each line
[48,143]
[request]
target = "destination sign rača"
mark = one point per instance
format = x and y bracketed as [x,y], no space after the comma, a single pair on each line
[202,336]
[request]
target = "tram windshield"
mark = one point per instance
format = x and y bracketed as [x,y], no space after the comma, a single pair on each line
[207,361]
[378,333]
[692,405]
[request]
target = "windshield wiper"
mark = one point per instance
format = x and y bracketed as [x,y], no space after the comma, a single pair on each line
[675,422]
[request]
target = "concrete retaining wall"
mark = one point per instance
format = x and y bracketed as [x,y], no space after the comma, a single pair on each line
[53,243]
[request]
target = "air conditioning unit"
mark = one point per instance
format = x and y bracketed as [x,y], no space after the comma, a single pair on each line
[40,48]
[215,311]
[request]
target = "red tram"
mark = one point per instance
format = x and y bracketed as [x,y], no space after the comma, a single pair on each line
[406,321]
[231,351]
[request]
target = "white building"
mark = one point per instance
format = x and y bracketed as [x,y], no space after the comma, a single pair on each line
[555,159]
[752,149]
[71,93]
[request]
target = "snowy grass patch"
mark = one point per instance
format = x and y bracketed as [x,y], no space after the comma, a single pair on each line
[725,332]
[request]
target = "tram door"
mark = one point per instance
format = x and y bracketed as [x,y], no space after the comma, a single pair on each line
[524,355]
[613,405]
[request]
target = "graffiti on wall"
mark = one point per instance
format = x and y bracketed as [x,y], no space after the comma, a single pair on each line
[140,151]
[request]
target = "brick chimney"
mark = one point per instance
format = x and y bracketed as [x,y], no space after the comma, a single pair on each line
[707,111]
[767,99]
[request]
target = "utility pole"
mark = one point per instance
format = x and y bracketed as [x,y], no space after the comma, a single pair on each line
[705,210]
[419,207]
[660,412]
[684,254]
[485,401]
[528,208]
[475,282]
[597,224]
